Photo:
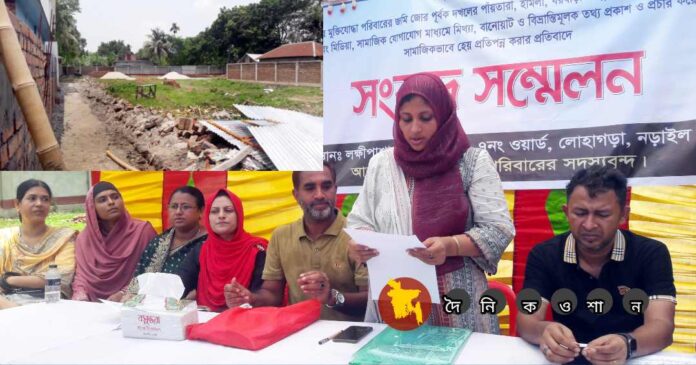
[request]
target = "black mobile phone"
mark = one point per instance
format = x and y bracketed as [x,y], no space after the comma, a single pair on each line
[352,334]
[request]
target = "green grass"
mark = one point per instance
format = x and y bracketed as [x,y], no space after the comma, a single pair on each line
[219,93]
[54,219]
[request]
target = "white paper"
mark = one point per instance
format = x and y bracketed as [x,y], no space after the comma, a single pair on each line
[394,262]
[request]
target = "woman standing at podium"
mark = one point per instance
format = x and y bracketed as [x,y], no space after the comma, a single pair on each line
[435,185]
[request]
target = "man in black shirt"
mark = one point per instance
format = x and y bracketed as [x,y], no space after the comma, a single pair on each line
[597,254]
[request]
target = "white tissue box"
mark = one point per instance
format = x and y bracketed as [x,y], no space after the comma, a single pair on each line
[158,324]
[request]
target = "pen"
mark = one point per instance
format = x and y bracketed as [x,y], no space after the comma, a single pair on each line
[329,338]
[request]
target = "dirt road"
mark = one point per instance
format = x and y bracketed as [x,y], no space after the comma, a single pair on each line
[86,138]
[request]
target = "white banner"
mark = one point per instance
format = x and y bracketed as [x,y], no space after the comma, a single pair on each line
[547,86]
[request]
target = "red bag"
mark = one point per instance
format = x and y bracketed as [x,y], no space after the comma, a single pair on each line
[255,328]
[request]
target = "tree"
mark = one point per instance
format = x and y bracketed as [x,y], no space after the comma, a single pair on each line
[70,43]
[253,28]
[94,59]
[158,47]
[114,50]
[304,24]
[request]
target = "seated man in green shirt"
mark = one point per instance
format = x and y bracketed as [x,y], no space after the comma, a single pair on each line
[310,255]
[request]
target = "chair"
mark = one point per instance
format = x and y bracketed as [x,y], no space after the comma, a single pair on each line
[511,299]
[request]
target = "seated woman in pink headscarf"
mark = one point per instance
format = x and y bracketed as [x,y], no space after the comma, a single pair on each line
[435,185]
[109,248]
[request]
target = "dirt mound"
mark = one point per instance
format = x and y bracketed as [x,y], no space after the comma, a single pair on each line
[174,76]
[97,74]
[116,76]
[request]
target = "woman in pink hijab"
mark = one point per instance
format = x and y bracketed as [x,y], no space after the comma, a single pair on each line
[109,248]
[435,185]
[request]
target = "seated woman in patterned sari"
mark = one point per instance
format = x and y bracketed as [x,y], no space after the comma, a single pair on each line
[167,251]
[27,251]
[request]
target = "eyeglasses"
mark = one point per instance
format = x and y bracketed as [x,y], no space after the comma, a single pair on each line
[183,207]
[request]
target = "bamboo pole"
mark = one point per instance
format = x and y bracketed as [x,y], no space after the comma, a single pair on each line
[120,162]
[245,140]
[27,94]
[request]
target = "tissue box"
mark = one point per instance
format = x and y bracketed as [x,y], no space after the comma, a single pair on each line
[139,322]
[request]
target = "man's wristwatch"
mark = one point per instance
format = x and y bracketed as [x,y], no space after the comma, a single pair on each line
[631,344]
[339,299]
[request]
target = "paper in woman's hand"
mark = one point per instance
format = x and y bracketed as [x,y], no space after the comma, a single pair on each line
[394,261]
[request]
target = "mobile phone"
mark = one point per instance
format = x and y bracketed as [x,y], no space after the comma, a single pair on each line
[352,334]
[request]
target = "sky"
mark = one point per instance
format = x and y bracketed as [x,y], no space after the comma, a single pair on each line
[131,20]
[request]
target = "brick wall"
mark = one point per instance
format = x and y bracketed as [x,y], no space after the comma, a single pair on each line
[94,71]
[295,73]
[17,151]
[234,71]
[266,72]
[286,72]
[309,73]
[248,72]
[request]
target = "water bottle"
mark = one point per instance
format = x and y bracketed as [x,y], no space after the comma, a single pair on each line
[52,289]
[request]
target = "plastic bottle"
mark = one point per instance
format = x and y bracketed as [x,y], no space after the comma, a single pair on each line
[52,289]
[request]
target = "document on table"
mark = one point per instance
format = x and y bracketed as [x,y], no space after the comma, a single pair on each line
[394,262]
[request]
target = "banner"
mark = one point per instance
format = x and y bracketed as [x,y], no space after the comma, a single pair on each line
[266,196]
[547,87]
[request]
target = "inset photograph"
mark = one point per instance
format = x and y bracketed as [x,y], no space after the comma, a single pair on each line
[164,90]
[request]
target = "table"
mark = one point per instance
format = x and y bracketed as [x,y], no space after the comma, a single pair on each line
[87,333]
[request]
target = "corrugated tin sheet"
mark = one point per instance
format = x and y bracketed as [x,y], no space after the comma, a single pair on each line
[296,143]
[240,129]
[309,124]
[289,148]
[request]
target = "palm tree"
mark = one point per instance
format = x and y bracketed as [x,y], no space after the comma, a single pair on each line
[159,46]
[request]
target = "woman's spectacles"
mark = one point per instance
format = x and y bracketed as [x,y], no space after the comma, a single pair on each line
[183,207]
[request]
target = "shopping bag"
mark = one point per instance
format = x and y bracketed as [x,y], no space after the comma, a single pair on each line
[255,328]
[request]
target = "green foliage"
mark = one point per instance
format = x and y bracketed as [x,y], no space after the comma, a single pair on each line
[55,219]
[70,43]
[114,50]
[253,28]
[219,93]
[94,59]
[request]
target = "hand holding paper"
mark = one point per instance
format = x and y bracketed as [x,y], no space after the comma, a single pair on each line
[434,252]
[393,261]
[360,253]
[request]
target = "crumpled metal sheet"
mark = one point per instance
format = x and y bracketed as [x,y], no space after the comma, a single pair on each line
[241,129]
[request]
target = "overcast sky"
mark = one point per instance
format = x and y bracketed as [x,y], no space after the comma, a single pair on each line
[131,20]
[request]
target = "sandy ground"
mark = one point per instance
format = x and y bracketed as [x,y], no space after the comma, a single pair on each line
[86,138]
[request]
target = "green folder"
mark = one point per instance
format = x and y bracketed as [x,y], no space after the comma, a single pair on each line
[423,345]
